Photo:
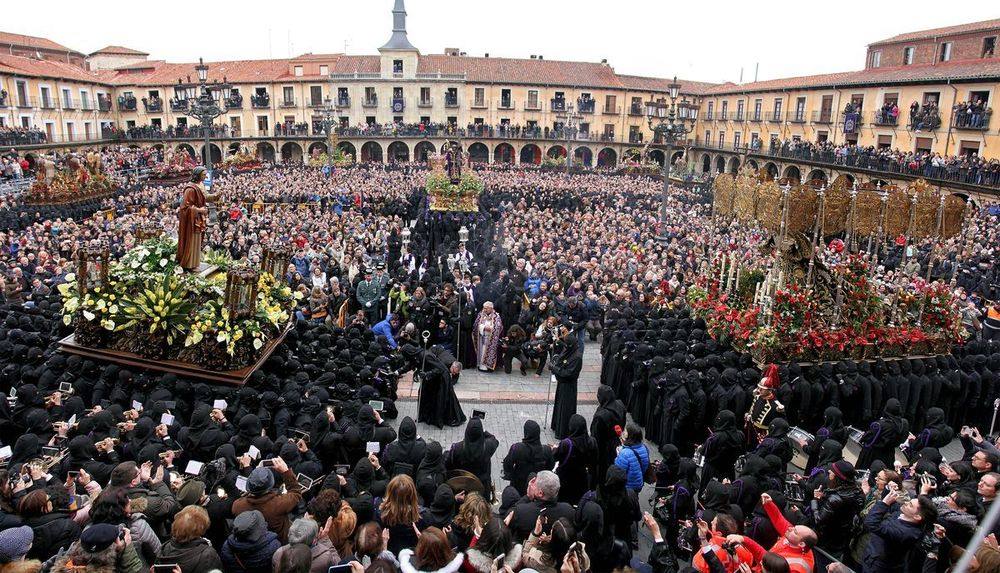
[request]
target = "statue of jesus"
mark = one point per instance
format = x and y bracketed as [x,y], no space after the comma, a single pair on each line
[455,161]
[192,218]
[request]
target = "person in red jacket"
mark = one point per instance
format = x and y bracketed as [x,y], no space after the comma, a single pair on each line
[795,544]
[731,556]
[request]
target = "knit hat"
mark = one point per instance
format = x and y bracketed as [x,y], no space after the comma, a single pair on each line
[15,543]
[98,537]
[250,526]
[844,470]
[191,492]
[261,481]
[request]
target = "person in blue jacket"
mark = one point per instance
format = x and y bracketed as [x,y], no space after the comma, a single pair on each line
[633,456]
[386,328]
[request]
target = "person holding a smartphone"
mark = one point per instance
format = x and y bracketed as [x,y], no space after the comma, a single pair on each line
[275,507]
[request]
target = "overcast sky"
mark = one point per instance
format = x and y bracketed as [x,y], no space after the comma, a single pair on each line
[707,41]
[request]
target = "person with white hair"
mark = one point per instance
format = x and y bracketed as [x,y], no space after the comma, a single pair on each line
[487,331]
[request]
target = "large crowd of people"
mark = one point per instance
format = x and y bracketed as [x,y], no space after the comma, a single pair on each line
[117,469]
[967,168]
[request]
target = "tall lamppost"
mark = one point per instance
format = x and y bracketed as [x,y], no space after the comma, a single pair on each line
[328,122]
[205,107]
[663,123]
[569,118]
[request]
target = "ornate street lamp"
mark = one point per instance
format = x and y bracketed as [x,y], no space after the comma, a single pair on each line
[205,107]
[328,123]
[570,118]
[663,123]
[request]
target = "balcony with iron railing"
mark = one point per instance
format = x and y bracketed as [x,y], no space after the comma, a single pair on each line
[586,105]
[638,110]
[234,101]
[86,105]
[103,104]
[558,105]
[425,102]
[48,103]
[68,103]
[884,118]
[343,102]
[971,121]
[797,116]
[612,110]
[152,105]
[314,103]
[776,116]
[179,105]
[127,103]
[370,101]
[356,76]
[756,117]
[822,117]
[397,105]
[724,115]
[450,101]
[533,105]
[506,104]
[288,102]
[635,138]
[260,101]
[710,115]
[480,103]
[740,117]
[24,102]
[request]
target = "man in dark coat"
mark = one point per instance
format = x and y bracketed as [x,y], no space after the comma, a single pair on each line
[404,455]
[567,361]
[605,428]
[438,404]
[527,457]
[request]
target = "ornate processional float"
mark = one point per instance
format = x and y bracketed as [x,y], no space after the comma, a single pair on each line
[810,294]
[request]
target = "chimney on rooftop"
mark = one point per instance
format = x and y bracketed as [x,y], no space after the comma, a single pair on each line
[487,54]
[541,57]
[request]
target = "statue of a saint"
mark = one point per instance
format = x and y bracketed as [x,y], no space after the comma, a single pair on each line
[192,220]
[453,163]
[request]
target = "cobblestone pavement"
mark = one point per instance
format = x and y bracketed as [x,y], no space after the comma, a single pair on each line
[476,386]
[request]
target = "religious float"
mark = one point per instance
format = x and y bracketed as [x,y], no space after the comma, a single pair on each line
[814,298]
[320,158]
[219,324]
[175,168]
[449,186]
[241,161]
[79,179]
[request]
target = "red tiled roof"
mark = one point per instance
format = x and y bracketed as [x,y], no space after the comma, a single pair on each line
[954,70]
[32,42]
[647,84]
[946,31]
[520,71]
[119,51]
[21,66]
[238,71]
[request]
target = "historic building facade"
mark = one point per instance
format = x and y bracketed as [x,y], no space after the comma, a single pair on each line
[510,110]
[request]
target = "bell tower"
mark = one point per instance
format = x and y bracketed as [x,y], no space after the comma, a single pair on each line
[399,56]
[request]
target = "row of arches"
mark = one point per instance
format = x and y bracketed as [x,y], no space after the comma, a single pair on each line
[731,164]
[400,151]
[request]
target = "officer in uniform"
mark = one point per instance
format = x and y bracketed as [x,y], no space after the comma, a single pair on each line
[381,281]
[764,408]
[368,296]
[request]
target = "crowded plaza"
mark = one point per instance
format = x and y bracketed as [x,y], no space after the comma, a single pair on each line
[398,344]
